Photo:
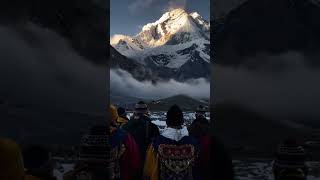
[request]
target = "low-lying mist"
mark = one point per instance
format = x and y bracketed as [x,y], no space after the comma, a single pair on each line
[40,68]
[281,87]
[122,83]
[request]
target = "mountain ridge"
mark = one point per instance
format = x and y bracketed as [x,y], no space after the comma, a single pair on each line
[170,46]
[292,25]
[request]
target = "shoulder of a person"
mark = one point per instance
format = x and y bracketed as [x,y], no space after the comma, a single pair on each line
[153,125]
[123,133]
[157,139]
[191,140]
[131,124]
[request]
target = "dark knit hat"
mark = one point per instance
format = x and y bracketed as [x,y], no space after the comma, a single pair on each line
[174,116]
[141,107]
[121,111]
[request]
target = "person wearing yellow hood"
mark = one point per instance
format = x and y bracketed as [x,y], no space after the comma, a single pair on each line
[117,120]
[11,162]
[125,158]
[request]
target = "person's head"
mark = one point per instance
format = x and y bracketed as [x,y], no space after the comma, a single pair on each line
[122,111]
[141,108]
[199,127]
[174,117]
[11,162]
[201,111]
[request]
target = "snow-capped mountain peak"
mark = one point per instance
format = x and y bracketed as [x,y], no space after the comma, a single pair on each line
[175,24]
[168,16]
[195,15]
[174,13]
[160,32]
[178,40]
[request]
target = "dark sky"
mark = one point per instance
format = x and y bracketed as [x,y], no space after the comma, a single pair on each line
[128,16]
[222,7]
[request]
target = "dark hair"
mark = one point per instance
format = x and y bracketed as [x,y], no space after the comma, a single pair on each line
[141,102]
[121,111]
[141,107]
[199,127]
[174,116]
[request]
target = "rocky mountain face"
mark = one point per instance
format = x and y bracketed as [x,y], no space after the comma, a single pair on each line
[268,26]
[137,70]
[177,46]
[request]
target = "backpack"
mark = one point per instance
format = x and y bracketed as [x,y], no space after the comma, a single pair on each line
[177,161]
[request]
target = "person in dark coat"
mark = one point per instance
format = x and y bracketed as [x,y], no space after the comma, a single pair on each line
[220,162]
[141,128]
[215,162]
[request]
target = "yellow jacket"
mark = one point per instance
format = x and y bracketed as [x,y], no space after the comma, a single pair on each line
[151,169]
[11,162]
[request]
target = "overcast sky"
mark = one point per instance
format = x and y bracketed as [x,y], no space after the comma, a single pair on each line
[128,16]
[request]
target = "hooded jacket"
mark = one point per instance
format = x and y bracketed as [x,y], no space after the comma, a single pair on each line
[117,120]
[172,155]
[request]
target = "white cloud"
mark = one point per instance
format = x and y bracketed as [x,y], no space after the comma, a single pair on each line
[123,83]
[164,5]
[173,4]
[292,91]
[139,5]
[39,67]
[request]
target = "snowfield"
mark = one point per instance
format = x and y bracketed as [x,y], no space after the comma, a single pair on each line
[259,169]
[159,118]
[254,169]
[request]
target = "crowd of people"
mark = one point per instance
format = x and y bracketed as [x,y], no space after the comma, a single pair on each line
[179,152]
[185,153]
[134,149]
